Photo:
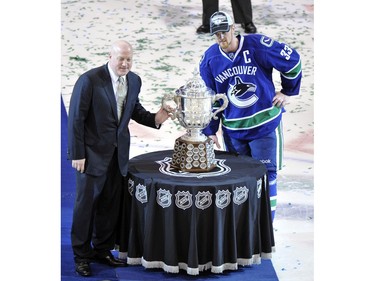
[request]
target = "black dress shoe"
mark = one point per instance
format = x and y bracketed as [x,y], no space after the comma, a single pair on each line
[111,261]
[83,268]
[249,27]
[203,29]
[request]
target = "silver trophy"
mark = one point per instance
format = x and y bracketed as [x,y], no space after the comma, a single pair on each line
[192,105]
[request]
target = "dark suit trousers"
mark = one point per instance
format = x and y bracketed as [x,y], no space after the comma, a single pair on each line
[242,10]
[96,212]
[209,7]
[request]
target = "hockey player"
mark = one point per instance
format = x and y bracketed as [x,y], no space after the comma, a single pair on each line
[241,67]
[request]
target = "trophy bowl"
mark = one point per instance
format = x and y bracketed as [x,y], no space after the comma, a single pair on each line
[193,107]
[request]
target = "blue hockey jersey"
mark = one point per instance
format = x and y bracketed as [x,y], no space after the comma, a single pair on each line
[246,78]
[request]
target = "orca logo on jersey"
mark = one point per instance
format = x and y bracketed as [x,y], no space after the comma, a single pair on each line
[240,88]
[237,93]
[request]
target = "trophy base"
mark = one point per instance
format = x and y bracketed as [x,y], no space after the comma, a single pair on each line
[193,156]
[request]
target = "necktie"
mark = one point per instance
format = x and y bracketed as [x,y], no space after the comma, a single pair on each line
[121,93]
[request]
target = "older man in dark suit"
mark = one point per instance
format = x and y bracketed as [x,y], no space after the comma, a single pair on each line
[103,101]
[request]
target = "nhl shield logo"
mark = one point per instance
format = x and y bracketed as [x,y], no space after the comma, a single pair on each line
[183,200]
[141,193]
[203,200]
[240,195]
[259,188]
[222,198]
[164,198]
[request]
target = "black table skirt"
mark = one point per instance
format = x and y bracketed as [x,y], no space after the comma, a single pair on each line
[196,221]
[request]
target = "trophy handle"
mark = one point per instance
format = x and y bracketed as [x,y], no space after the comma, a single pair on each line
[225,104]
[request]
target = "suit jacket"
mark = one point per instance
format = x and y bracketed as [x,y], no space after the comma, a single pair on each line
[93,128]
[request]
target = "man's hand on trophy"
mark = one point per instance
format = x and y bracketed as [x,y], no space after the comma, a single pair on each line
[170,106]
[161,116]
[216,141]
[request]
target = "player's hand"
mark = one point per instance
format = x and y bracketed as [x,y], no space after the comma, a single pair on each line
[216,141]
[280,100]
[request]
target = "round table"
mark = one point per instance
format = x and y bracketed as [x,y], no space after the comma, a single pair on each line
[214,220]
